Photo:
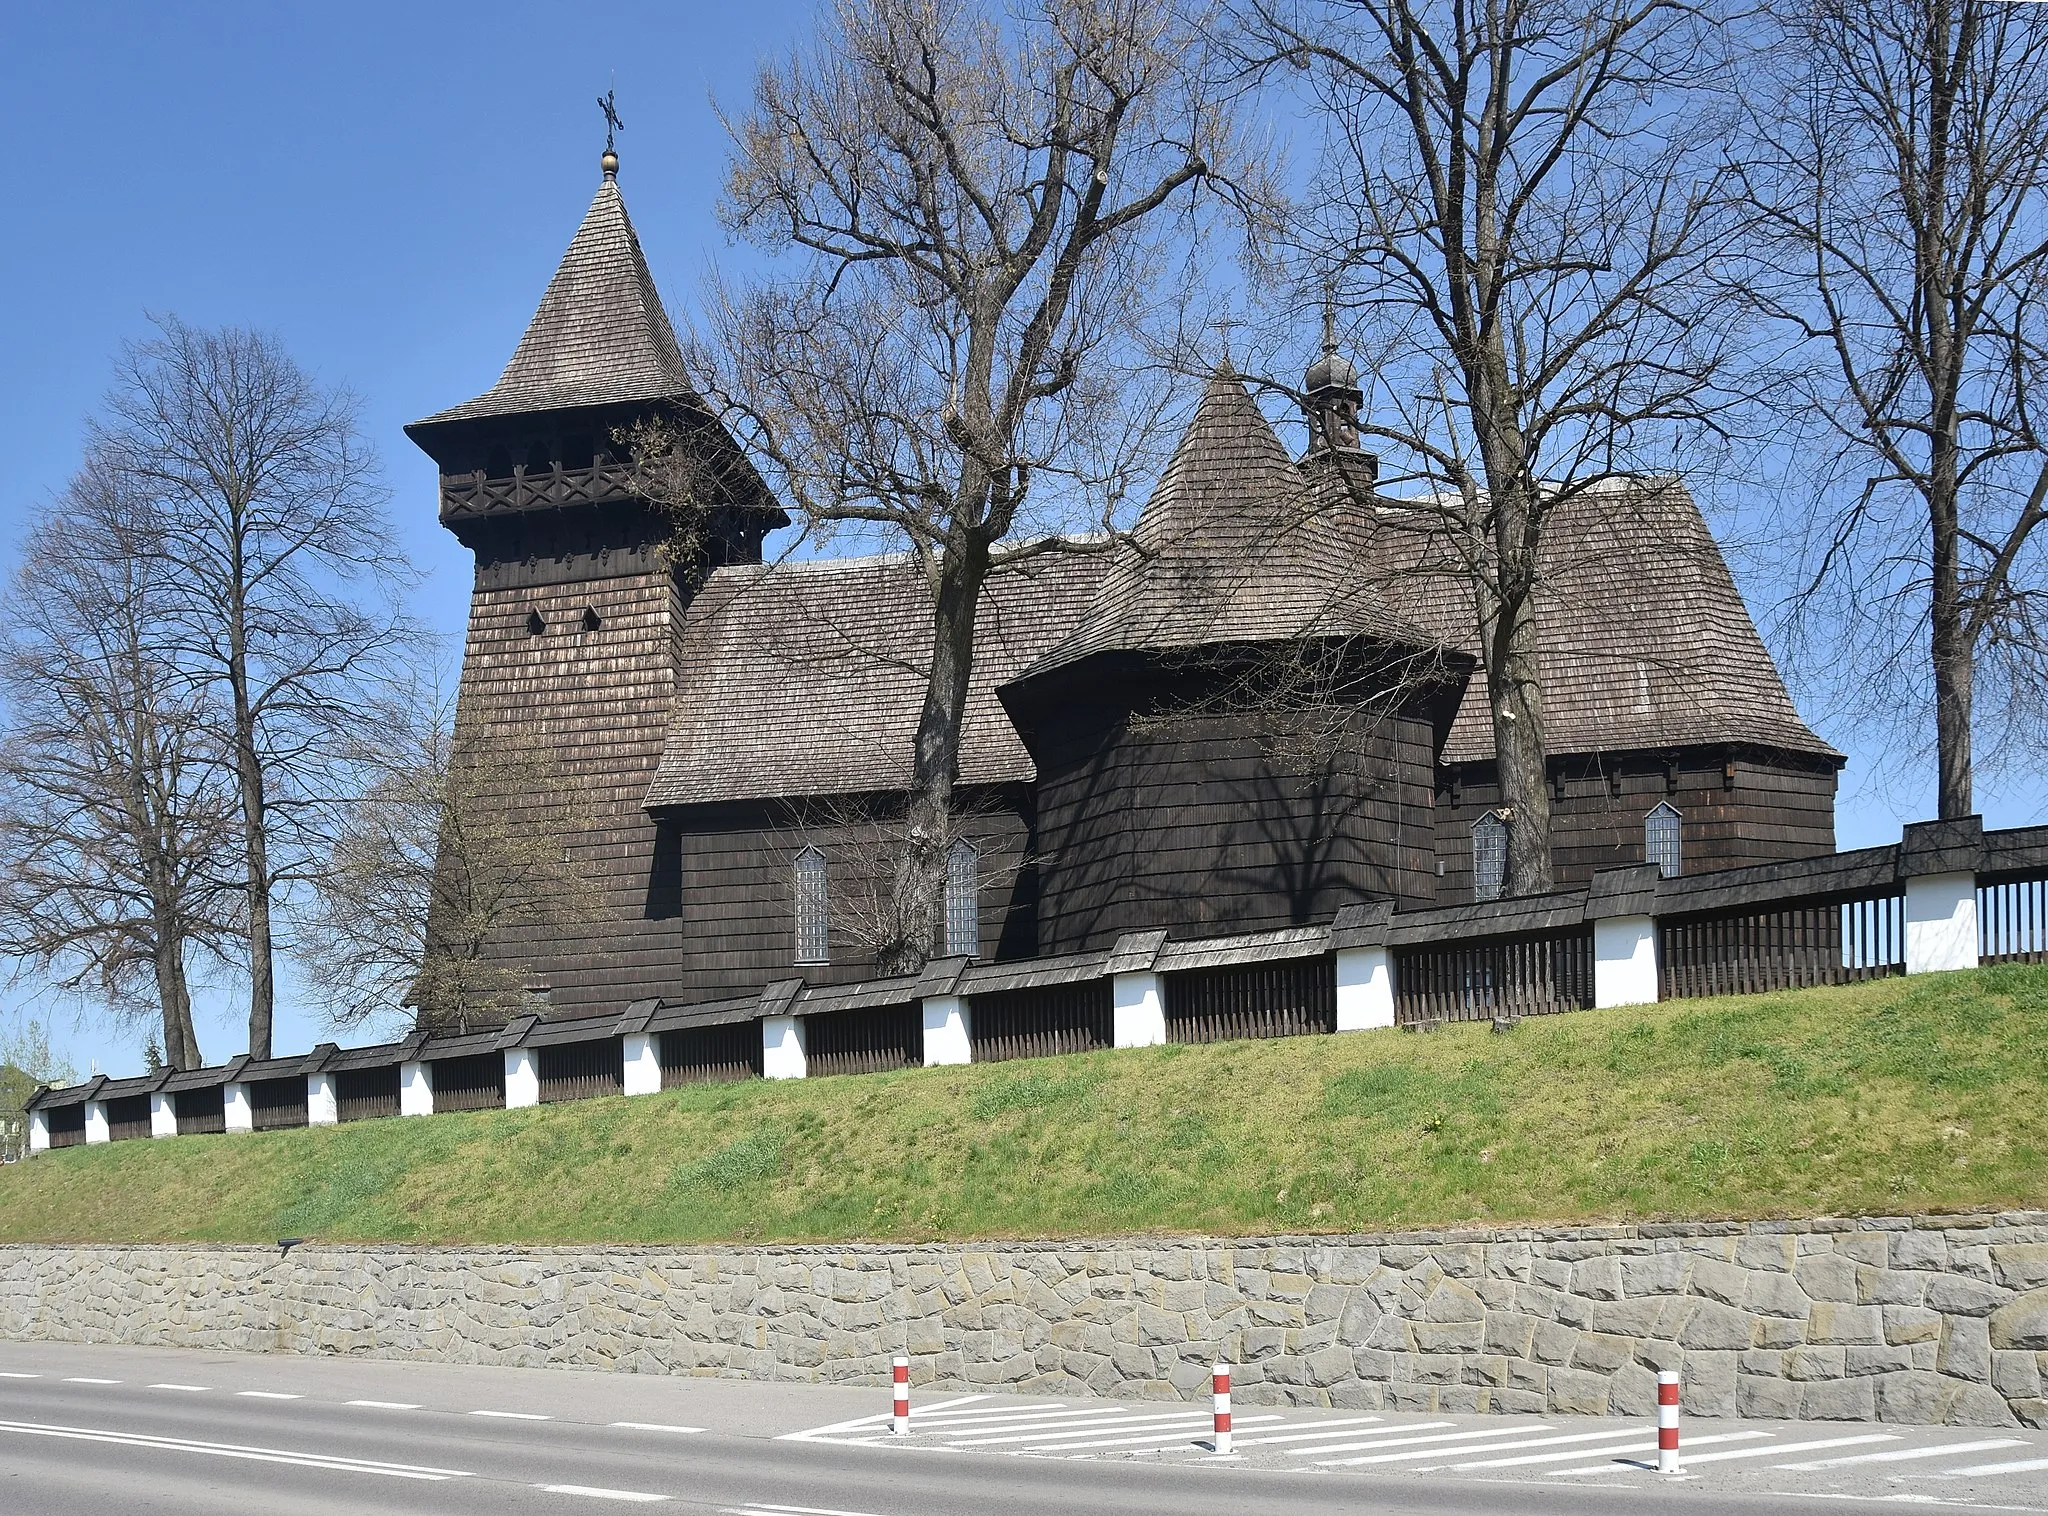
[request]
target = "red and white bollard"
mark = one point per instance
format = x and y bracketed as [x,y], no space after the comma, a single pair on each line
[1667,1421]
[1220,1385]
[899,1425]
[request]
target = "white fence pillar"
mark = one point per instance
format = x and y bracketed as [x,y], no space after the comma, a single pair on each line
[39,1131]
[1624,961]
[323,1104]
[522,1078]
[96,1127]
[643,1063]
[947,1034]
[1140,1009]
[782,1047]
[163,1115]
[1365,989]
[1941,923]
[238,1115]
[415,1089]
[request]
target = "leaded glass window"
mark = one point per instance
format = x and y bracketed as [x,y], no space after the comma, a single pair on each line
[813,907]
[1489,856]
[1661,840]
[963,904]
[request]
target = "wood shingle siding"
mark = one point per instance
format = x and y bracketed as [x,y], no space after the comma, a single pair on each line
[1292,998]
[1042,1021]
[275,1104]
[201,1110]
[581,1070]
[710,1054]
[472,1083]
[865,1041]
[366,1094]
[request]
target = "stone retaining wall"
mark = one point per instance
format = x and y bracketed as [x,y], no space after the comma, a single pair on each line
[1939,1319]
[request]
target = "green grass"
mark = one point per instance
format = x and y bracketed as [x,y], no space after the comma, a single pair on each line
[1928,1094]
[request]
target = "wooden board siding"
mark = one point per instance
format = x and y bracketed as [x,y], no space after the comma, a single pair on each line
[865,1041]
[277,1103]
[1501,979]
[711,1054]
[67,1125]
[1287,999]
[366,1094]
[475,1083]
[726,876]
[581,1070]
[1777,809]
[128,1117]
[201,1110]
[1042,1021]
[1197,825]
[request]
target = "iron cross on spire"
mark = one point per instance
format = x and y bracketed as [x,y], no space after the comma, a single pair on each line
[612,124]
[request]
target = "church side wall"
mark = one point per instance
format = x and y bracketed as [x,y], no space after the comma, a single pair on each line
[1197,824]
[1773,811]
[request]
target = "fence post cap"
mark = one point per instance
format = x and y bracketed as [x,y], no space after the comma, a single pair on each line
[516,1032]
[1954,846]
[1627,891]
[1135,952]
[635,1017]
[1364,924]
[940,976]
[778,996]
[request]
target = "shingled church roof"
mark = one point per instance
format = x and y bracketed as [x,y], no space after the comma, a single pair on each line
[600,336]
[1231,550]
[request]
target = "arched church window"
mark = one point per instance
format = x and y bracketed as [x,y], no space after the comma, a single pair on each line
[1489,856]
[1662,842]
[813,908]
[963,902]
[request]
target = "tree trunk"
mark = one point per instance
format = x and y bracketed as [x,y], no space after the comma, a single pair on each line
[1954,658]
[181,1042]
[1515,692]
[920,879]
[256,848]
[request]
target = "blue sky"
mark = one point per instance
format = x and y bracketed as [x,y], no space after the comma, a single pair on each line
[386,187]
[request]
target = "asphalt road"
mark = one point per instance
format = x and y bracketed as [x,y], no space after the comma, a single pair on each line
[114,1430]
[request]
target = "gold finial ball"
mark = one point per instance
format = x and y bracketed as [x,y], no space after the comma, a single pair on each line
[610,164]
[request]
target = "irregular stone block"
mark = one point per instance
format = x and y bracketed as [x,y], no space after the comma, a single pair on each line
[1766,1399]
[1966,1350]
[1953,1295]
[1827,1276]
[2015,1375]
[1718,1281]
[1597,1279]
[1839,1400]
[1774,1294]
[2022,1322]
[1845,1323]
[1573,1392]
[1816,1363]
[1718,1327]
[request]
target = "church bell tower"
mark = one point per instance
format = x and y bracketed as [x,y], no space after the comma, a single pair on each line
[569,661]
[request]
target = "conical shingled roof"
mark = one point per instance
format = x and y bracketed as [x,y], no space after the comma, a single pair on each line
[1230,551]
[600,336]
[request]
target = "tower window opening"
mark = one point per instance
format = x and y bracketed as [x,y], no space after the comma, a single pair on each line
[576,451]
[1663,840]
[1489,856]
[963,901]
[813,908]
[535,624]
[537,460]
[589,620]
[498,464]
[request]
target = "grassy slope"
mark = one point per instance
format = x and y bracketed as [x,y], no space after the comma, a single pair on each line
[1887,1097]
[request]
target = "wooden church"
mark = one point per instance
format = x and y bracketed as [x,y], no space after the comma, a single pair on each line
[1261,711]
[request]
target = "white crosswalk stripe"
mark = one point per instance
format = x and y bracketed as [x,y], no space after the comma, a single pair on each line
[1344,1428]
[1581,1452]
[1158,1437]
[1093,1429]
[2023,1466]
[1412,1455]
[1413,1426]
[1765,1452]
[1904,1455]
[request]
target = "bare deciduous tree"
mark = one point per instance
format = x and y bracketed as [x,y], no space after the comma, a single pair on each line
[268,526]
[988,216]
[1900,172]
[430,877]
[117,822]
[1521,203]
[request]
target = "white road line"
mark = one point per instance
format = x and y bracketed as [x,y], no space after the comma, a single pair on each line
[1398,1442]
[384,1405]
[874,1420]
[654,1426]
[1092,1429]
[1017,1424]
[597,1494]
[1012,1415]
[267,1395]
[329,1461]
[81,1379]
[1158,1436]
[804,1510]
[1640,1447]
[190,1389]
[2026,1466]
[20,1376]
[514,1415]
[1386,1436]
[1350,1424]
[1902,1455]
[1685,1462]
